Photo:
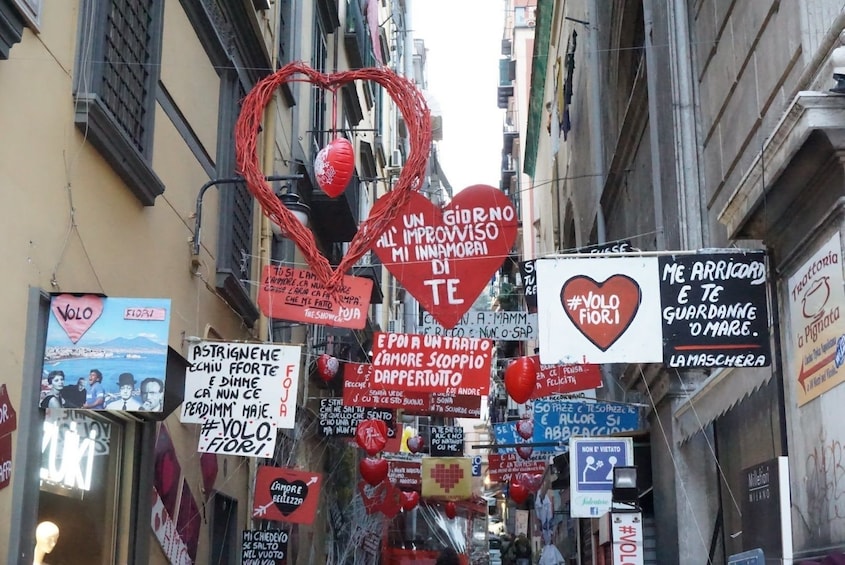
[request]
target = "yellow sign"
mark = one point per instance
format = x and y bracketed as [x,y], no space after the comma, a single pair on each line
[447,477]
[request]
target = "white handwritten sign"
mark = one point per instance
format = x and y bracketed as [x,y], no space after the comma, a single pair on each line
[241,393]
[508,326]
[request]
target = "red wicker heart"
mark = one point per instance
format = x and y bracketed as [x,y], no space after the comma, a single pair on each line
[417,117]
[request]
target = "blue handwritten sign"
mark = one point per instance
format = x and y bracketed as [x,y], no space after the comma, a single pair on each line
[559,420]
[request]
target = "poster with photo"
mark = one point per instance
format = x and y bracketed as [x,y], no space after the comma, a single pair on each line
[105,353]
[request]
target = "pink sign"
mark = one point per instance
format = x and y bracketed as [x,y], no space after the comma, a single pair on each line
[76,314]
[431,363]
[298,295]
[565,379]
[445,257]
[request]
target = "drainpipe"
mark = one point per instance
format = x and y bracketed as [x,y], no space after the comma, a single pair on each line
[596,137]
[654,136]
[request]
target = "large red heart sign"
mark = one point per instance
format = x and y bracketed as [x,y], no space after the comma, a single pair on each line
[410,102]
[445,257]
[601,311]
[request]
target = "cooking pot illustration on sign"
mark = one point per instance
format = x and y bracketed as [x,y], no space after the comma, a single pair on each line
[816,297]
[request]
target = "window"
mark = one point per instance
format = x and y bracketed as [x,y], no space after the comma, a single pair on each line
[115,86]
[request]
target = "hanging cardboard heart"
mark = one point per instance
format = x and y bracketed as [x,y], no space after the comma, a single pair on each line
[415,444]
[525,451]
[327,366]
[518,491]
[76,314]
[525,428]
[373,470]
[410,500]
[417,116]
[334,166]
[445,257]
[605,331]
[451,510]
[521,379]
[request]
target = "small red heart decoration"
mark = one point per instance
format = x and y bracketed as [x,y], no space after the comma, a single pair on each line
[601,311]
[415,444]
[521,379]
[518,491]
[76,314]
[451,510]
[417,116]
[410,500]
[371,435]
[532,481]
[445,257]
[525,428]
[373,470]
[327,366]
[524,451]
[334,166]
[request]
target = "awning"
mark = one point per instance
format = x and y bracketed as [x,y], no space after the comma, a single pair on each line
[723,390]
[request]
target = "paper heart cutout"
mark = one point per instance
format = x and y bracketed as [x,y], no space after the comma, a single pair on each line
[327,366]
[410,500]
[525,428]
[334,166]
[517,491]
[373,470]
[446,257]
[524,451]
[521,379]
[417,116]
[76,314]
[288,497]
[450,509]
[371,435]
[601,311]
[415,444]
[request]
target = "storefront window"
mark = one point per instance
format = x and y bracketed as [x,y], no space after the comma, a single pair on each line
[81,453]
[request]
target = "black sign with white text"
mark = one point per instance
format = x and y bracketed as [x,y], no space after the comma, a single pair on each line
[337,420]
[264,547]
[529,284]
[447,441]
[714,310]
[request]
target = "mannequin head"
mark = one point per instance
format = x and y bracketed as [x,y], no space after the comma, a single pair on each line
[46,536]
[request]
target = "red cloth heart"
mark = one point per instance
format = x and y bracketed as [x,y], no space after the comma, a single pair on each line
[525,428]
[371,435]
[521,379]
[334,166]
[415,444]
[410,500]
[445,257]
[601,311]
[518,491]
[417,117]
[373,470]
[327,366]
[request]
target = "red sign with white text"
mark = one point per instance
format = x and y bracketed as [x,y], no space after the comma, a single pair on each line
[431,363]
[5,460]
[8,415]
[503,466]
[358,391]
[565,379]
[297,295]
[286,495]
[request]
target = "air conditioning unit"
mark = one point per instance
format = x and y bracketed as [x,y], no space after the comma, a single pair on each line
[396,158]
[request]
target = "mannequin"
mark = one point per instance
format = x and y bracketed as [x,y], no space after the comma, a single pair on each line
[46,536]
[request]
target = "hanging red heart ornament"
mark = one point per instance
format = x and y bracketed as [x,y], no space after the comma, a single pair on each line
[327,366]
[334,166]
[371,435]
[415,444]
[532,481]
[521,379]
[417,116]
[451,510]
[373,470]
[525,428]
[410,500]
[524,451]
[518,491]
